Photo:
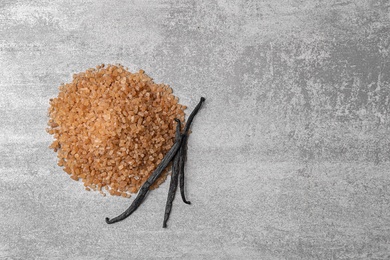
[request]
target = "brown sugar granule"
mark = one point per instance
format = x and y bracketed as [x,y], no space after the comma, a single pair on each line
[113,127]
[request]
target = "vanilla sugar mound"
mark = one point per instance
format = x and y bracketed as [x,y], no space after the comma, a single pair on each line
[112,128]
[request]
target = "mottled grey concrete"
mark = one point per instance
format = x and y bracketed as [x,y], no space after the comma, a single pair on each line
[289,159]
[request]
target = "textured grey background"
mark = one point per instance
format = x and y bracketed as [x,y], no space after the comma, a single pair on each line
[289,159]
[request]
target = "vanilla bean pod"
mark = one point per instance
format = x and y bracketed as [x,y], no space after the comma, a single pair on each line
[145,187]
[178,166]
[174,180]
[182,153]
[177,153]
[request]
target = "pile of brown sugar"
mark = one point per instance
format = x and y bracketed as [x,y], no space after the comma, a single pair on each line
[112,128]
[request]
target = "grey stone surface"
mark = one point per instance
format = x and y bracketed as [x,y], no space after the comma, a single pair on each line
[289,159]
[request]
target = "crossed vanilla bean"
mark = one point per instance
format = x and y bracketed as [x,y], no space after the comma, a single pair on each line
[178,154]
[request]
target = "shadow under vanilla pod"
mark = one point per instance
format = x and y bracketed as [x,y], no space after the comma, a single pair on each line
[177,154]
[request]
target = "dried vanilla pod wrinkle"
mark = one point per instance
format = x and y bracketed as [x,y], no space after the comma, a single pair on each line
[113,127]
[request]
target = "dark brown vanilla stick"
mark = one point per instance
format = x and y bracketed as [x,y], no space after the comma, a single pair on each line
[174,180]
[145,187]
[180,145]
[182,153]
[192,115]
